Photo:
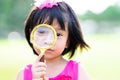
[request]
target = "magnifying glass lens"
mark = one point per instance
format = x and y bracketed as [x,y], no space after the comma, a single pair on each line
[44,37]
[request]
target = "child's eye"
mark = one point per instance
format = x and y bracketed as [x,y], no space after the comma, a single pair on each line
[59,35]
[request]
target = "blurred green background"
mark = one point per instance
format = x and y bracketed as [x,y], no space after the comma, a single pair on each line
[101,31]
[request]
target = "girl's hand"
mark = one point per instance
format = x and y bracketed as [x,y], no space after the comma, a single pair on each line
[39,69]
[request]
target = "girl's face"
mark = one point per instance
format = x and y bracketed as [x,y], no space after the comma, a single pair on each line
[61,43]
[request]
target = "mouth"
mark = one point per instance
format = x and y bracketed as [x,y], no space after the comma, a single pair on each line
[49,51]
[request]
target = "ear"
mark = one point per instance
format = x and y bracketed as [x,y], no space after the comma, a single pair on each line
[67,43]
[66,46]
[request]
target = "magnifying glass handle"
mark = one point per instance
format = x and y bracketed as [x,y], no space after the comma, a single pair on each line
[43,55]
[42,59]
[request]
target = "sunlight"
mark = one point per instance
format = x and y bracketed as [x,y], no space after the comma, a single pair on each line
[96,6]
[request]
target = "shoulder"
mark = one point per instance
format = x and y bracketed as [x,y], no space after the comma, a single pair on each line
[73,62]
[23,72]
[82,73]
[20,75]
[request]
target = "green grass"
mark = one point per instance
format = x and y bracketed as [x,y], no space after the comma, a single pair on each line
[102,61]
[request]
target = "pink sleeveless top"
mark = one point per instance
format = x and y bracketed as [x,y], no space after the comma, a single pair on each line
[70,72]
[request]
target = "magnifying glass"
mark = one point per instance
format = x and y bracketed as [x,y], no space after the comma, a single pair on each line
[43,37]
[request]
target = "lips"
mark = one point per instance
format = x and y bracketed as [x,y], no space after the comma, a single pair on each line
[49,51]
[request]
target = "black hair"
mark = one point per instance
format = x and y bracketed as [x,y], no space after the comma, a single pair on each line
[64,14]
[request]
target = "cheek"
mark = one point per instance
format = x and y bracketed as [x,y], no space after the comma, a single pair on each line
[37,50]
[60,46]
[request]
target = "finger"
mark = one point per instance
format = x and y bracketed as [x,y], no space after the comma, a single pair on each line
[40,69]
[39,74]
[41,64]
[44,61]
[46,78]
[38,58]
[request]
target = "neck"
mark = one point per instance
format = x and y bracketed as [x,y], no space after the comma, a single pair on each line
[55,61]
[58,64]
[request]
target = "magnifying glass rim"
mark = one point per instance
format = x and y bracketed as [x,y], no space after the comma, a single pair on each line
[32,36]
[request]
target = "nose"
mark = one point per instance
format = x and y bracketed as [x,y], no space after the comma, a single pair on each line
[48,41]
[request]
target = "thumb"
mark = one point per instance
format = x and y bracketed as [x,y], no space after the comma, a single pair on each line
[38,58]
[46,78]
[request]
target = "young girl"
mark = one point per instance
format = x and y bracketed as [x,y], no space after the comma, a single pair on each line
[69,36]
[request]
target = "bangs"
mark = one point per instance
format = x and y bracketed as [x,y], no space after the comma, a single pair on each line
[47,16]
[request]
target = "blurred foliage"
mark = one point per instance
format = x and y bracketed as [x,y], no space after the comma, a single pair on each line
[14,12]
[106,22]
[12,15]
[112,13]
